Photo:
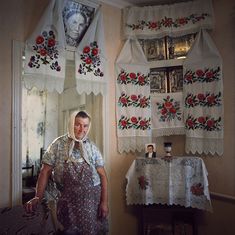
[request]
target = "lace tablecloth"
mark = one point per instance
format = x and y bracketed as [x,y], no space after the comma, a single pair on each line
[182,181]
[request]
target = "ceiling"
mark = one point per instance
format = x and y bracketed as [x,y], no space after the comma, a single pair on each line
[124,3]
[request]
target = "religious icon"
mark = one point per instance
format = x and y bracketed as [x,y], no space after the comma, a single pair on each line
[158,80]
[179,46]
[155,49]
[175,78]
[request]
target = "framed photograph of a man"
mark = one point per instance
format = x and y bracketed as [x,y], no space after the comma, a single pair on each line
[150,150]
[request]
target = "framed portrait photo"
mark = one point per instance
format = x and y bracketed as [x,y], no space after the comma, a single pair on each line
[77,17]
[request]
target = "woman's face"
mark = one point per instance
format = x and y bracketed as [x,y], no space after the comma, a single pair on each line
[81,126]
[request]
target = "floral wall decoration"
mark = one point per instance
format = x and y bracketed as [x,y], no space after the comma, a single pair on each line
[168,20]
[133,104]
[72,26]
[203,97]
[90,59]
[45,51]
[167,114]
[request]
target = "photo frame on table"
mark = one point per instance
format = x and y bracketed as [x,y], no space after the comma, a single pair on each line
[146,147]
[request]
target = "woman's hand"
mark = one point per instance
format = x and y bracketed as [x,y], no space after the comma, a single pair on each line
[103,210]
[31,205]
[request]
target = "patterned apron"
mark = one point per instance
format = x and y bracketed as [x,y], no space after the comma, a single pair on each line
[77,208]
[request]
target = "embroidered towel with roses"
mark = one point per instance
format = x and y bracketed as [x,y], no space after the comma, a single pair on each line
[45,52]
[90,59]
[203,97]
[132,98]
[167,114]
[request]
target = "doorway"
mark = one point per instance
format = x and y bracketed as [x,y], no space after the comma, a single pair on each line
[40,116]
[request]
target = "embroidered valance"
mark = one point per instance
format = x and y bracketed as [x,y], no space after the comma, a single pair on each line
[168,20]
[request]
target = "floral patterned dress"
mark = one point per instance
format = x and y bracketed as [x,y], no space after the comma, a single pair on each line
[79,191]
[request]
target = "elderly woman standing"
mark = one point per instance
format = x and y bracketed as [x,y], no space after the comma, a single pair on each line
[76,171]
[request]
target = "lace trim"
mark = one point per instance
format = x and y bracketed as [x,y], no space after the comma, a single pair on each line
[127,144]
[91,86]
[202,145]
[46,82]
[168,131]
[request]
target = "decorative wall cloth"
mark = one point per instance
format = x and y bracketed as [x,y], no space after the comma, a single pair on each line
[168,20]
[182,181]
[167,114]
[132,98]
[45,51]
[203,97]
[90,59]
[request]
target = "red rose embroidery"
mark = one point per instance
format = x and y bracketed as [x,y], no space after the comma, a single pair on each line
[201,97]
[201,120]
[51,42]
[43,52]
[134,97]
[88,61]
[134,120]
[95,51]
[86,49]
[132,75]
[39,40]
[200,73]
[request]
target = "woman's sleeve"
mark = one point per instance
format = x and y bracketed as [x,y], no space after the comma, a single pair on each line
[99,161]
[50,155]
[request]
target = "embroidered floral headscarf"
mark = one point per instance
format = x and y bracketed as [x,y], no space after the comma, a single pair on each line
[74,139]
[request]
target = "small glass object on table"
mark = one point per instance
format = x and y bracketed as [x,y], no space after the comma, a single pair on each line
[168,148]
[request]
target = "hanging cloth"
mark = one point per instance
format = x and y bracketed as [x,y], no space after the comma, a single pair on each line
[167,114]
[168,20]
[45,51]
[90,59]
[132,98]
[203,97]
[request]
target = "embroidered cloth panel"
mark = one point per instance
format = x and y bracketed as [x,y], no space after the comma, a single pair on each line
[45,51]
[203,97]
[181,181]
[132,98]
[168,20]
[90,59]
[167,114]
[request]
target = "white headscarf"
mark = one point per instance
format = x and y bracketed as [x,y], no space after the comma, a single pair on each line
[72,136]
